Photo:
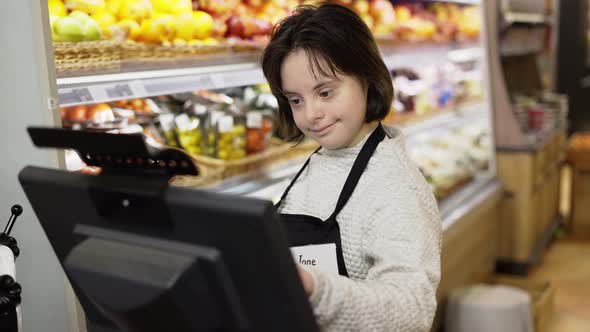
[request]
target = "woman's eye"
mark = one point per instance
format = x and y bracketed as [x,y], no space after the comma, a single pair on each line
[326,93]
[295,101]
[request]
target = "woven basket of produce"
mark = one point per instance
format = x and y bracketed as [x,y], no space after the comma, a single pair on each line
[87,56]
[275,153]
[132,50]
[208,176]
[240,46]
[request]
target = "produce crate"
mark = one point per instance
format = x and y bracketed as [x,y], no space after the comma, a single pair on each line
[87,56]
[542,298]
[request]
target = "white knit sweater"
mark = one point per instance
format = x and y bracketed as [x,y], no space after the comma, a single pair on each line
[391,240]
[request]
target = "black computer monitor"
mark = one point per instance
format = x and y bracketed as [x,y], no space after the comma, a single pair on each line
[145,256]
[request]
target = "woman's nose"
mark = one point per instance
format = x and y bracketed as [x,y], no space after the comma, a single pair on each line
[313,112]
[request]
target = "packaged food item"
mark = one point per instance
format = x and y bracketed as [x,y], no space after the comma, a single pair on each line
[254,132]
[189,134]
[231,139]
[259,126]
[168,129]
[152,133]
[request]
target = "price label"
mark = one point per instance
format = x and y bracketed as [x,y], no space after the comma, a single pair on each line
[254,119]
[177,84]
[226,124]
[119,91]
[241,78]
[75,96]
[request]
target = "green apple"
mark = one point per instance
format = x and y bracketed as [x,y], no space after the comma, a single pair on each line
[81,16]
[91,30]
[52,20]
[68,29]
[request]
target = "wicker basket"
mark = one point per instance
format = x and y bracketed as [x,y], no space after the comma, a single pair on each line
[250,163]
[88,56]
[133,51]
[239,46]
[208,177]
[215,170]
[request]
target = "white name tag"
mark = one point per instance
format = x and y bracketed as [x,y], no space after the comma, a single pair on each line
[320,256]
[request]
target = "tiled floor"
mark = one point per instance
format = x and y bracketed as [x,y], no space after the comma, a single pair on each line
[567,264]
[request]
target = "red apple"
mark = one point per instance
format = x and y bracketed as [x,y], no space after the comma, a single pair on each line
[235,26]
[263,27]
[250,27]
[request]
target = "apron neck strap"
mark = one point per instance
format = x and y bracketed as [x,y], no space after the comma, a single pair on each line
[295,179]
[355,174]
[361,162]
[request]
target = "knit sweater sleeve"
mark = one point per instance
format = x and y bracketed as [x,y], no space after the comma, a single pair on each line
[403,241]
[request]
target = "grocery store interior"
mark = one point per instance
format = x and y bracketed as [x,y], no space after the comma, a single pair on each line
[492,98]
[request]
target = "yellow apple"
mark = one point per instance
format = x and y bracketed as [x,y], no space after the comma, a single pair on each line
[204,23]
[126,29]
[57,8]
[159,29]
[136,10]
[186,25]
[87,6]
[360,7]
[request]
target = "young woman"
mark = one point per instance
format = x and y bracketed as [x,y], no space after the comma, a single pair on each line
[359,192]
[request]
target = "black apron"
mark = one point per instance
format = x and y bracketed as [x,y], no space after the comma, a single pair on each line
[309,230]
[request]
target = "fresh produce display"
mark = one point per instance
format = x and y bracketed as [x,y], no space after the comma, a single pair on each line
[186,22]
[258,131]
[98,113]
[76,26]
[422,90]
[189,132]
[204,123]
[231,139]
[449,158]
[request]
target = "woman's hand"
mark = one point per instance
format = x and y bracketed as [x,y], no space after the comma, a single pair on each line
[306,279]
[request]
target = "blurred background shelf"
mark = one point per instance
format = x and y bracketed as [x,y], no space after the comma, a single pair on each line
[90,89]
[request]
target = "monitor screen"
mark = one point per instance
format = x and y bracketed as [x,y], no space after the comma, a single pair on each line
[145,256]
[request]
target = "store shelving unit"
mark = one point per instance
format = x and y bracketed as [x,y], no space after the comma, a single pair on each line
[223,73]
[81,90]
[140,84]
[471,211]
[530,207]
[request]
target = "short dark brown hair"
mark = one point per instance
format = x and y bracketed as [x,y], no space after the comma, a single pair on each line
[338,36]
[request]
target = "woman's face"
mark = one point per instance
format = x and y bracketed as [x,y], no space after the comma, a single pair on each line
[330,110]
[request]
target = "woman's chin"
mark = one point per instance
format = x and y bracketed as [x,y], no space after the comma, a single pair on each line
[328,143]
